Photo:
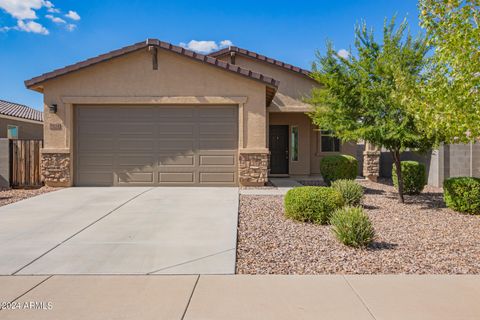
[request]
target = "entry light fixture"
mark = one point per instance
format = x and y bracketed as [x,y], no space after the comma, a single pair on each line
[53,108]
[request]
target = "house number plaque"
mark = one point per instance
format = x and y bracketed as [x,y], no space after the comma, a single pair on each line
[55,126]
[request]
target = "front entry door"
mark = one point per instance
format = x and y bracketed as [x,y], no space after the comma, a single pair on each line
[278,144]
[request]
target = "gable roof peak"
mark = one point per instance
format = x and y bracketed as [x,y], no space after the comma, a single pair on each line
[35,83]
[257,56]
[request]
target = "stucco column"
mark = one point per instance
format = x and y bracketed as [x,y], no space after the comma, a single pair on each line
[56,156]
[371,162]
[253,155]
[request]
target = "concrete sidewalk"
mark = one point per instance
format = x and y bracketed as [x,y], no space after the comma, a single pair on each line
[281,187]
[139,297]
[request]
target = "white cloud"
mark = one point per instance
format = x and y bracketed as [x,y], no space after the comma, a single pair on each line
[5,29]
[22,9]
[72,15]
[200,46]
[70,27]
[343,53]
[25,11]
[225,43]
[55,19]
[205,46]
[51,7]
[31,26]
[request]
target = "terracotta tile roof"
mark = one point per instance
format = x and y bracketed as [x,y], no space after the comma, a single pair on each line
[19,111]
[260,57]
[269,81]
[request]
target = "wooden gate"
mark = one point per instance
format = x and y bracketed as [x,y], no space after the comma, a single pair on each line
[25,163]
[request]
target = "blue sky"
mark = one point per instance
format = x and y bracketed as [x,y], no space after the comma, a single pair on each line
[286,30]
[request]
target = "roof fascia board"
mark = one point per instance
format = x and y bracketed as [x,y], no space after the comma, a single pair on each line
[269,81]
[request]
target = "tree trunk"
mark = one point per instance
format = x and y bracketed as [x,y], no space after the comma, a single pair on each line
[398,167]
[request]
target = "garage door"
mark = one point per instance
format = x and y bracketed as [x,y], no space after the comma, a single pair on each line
[156,145]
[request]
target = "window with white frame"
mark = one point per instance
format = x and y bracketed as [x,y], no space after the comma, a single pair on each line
[12,132]
[294,144]
[328,142]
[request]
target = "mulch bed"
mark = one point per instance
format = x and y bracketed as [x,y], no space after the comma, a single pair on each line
[421,236]
[8,196]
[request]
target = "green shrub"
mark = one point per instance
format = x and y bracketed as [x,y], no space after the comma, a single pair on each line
[414,177]
[338,167]
[312,204]
[351,191]
[352,227]
[462,194]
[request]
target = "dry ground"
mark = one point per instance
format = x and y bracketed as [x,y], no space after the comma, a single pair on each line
[420,236]
[8,196]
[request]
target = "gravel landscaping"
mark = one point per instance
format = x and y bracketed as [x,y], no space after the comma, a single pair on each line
[420,237]
[8,196]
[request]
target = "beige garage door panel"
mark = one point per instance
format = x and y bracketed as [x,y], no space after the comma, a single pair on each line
[156,145]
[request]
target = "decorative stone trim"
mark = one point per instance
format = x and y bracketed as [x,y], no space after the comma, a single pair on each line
[253,169]
[371,164]
[56,169]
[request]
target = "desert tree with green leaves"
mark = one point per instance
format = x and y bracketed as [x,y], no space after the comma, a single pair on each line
[449,98]
[364,96]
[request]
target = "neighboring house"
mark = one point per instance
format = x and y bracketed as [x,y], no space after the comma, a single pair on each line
[18,121]
[157,114]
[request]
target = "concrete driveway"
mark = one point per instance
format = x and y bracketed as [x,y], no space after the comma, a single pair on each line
[131,230]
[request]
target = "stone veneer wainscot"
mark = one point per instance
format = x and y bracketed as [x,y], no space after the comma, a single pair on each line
[56,169]
[253,169]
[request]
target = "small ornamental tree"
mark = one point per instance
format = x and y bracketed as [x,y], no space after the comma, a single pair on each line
[362,97]
[449,99]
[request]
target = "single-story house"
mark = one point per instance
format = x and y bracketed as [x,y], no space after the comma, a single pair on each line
[157,114]
[18,121]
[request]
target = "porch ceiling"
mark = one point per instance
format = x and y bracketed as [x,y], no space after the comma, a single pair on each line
[284,103]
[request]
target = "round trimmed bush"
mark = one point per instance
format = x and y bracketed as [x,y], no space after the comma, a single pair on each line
[462,194]
[312,204]
[352,227]
[351,191]
[338,167]
[414,177]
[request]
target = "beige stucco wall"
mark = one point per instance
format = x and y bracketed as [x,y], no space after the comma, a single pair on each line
[132,75]
[293,88]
